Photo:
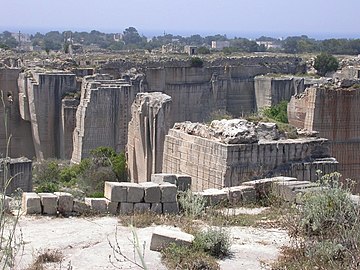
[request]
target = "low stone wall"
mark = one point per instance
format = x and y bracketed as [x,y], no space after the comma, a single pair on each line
[120,198]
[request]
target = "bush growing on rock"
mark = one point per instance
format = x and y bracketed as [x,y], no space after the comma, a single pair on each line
[325,63]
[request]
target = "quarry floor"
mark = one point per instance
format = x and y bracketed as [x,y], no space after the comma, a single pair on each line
[84,242]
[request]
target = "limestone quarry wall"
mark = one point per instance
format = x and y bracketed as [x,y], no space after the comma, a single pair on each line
[21,138]
[212,164]
[103,115]
[270,91]
[149,124]
[333,113]
[68,124]
[226,86]
[43,92]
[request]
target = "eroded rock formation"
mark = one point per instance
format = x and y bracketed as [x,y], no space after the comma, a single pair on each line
[149,124]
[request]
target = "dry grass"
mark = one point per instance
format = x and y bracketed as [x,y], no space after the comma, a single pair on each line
[44,257]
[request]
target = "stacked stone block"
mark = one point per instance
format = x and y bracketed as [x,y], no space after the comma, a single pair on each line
[148,196]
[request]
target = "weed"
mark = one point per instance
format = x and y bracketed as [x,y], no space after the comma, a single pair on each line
[183,258]
[214,241]
[325,231]
[191,205]
[44,257]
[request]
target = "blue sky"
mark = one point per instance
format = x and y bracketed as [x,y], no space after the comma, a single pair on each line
[318,18]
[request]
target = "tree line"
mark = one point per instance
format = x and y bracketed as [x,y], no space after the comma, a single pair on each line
[131,39]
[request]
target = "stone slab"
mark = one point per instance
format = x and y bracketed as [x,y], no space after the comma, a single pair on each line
[65,202]
[183,182]
[112,207]
[115,191]
[163,177]
[135,192]
[97,205]
[170,208]
[168,192]
[156,208]
[81,207]
[162,237]
[141,207]
[49,203]
[263,186]
[241,194]
[215,196]
[126,208]
[152,192]
[31,203]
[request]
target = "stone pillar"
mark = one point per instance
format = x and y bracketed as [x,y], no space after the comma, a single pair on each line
[148,127]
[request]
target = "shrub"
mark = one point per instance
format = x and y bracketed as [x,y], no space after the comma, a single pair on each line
[326,229]
[325,63]
[203,50]
[214,241]
[191,205]
[197,62]
[277,112]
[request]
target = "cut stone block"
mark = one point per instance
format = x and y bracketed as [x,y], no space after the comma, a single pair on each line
[183,182]
[152,193]
[141,207]
[31,203]
[112,207]
[286,190]
[215,196]
[168,192]
[163,177]
[263,187]
[162,237]
[156,208]
[243,194]
[81,207]
[170,208]
[135,192]
[126,208]
[49,203]
[115,191]
[65,202]
[97,205]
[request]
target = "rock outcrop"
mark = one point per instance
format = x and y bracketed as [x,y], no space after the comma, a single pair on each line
[149,124]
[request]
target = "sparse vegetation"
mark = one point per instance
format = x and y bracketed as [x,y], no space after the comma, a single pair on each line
[89,176]
[191,205]
[11,240]
[196,62]
[325,230]
[277,112]
[45,257]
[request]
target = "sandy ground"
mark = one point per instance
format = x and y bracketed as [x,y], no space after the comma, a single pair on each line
[84,243]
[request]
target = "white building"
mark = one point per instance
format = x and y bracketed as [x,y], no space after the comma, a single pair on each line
[219,45]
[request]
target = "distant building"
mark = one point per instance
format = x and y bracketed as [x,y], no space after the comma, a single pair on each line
[21,37]
[118,37]
[269,44]
[170,48]
[190,50]
[219,45]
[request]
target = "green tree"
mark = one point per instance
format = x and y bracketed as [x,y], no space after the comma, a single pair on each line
[131,36]
[325,63]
